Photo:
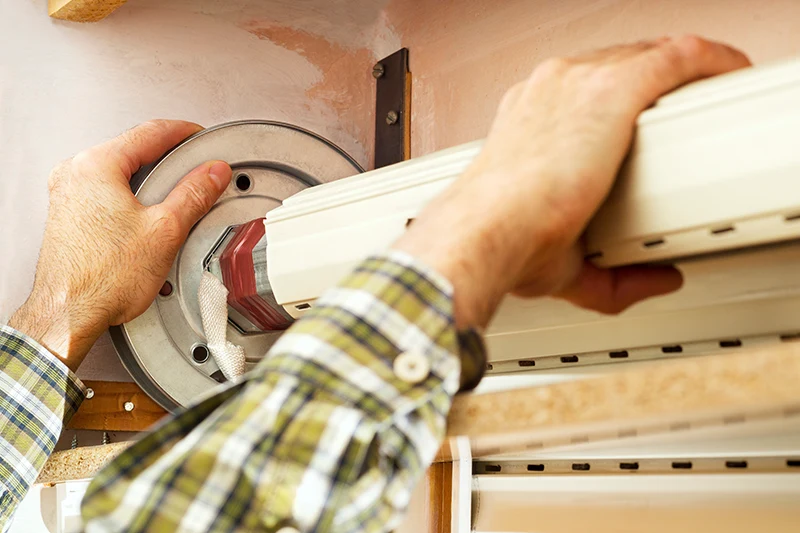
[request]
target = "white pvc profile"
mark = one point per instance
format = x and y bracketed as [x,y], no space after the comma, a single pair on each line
[713,168]
[320,234]
[707,503]
[461,488]
[740,478]
[739,438]
[740,298]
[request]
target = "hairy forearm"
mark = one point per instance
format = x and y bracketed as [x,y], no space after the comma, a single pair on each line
[476,289]
[473,249]
[58,326]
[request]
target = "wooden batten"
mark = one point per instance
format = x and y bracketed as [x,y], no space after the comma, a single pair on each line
[82,10]
[105,410]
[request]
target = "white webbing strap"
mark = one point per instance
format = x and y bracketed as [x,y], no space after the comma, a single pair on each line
[213,299]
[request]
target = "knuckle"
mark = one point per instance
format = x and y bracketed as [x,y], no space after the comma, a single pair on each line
[149,126]
[82,160]
[512,95]
[686,46]
[554,66]
[141,132]
[693,44]
[137,133]
[673,59]
[57,174]
[86,163]
[157,123]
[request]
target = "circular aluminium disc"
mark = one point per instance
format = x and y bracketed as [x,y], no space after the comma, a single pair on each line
[277,160]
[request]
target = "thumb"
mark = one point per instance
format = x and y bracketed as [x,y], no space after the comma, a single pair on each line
[196,193]
[613,290]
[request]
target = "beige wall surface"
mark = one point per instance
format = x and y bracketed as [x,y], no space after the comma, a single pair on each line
[466,53]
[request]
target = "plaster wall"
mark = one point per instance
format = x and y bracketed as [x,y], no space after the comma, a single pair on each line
[466,53]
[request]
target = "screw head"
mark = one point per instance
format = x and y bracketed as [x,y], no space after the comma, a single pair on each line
[128,406]
[378,70]
[89,394]
[391,117]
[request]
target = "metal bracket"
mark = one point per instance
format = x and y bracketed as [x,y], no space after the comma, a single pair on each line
[392,109]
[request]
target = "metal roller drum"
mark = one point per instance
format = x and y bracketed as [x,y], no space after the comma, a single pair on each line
[164,348]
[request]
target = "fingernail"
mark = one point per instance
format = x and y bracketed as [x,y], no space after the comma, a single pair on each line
[221,174]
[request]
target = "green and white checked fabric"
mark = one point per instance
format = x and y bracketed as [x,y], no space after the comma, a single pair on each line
[38,396]
[321,436]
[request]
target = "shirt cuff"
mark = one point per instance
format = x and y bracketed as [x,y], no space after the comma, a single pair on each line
[471,349]
[391,303]
[38,397]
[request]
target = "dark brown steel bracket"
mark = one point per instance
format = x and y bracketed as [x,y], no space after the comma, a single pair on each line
[392,109]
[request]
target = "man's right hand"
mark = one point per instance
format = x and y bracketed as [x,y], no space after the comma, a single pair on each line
[514,220]
[104,255]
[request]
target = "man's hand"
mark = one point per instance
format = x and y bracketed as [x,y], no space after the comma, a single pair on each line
[513,221]
[105,256]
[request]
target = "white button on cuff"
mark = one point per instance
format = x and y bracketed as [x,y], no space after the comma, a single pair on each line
[412,366]
[288,530]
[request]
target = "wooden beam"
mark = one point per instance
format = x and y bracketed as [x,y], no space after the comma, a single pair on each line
[105,410]
[755,384]
[82,10]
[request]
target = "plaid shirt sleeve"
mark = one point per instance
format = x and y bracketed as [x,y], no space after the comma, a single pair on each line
[321,436]
[38,396]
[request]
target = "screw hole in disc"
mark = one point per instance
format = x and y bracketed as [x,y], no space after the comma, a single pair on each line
[166,289]
[243,182]
[200,353]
